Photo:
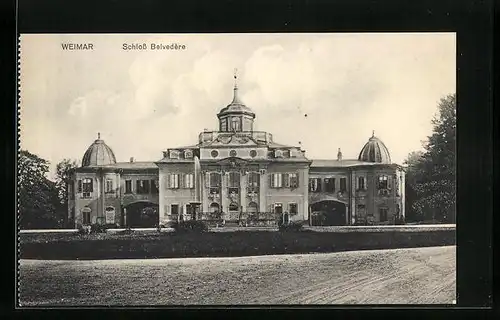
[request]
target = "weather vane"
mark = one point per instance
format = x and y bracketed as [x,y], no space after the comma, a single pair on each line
[235,77]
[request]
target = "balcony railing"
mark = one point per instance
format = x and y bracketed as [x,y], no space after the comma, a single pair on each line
[259,136]
[242,219]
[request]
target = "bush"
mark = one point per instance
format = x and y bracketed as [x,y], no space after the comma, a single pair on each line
[293,226]
[190,226]
[98,228]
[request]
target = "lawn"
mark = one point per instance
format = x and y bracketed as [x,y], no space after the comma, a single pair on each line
[400,276]
[223,244]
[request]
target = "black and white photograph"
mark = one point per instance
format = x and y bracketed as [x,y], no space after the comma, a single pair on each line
[237,169]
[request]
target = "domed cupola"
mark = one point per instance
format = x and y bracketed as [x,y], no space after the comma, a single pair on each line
[236,116]
[98,154]
[375,151]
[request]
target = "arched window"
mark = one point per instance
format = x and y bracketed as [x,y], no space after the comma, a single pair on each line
[86,215]
[252,207]
[214,207]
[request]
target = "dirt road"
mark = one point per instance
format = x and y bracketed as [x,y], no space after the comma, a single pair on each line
[416,276]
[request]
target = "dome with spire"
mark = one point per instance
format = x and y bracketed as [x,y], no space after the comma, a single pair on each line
[98,154]
[236,116]
[375,151]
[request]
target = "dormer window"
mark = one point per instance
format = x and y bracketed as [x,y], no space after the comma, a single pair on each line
[174,154]
[188,154]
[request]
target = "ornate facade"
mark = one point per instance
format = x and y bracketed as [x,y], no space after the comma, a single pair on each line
[237,172]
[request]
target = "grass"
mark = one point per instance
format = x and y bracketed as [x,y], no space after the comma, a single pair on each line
[413,276]
[221,244]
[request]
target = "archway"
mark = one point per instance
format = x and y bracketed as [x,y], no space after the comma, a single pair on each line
[328,213]
[143,214]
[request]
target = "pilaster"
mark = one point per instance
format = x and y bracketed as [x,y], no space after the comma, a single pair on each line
[263,185]
[353,197]
[224,195]
[243,191]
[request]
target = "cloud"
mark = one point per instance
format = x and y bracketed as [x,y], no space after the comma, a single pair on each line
[144,102]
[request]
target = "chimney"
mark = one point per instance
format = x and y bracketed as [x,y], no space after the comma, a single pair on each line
[131,159]
[339,155]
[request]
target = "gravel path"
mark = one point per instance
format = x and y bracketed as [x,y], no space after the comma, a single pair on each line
[414,276]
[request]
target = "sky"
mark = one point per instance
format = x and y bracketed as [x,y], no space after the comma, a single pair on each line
[145,101]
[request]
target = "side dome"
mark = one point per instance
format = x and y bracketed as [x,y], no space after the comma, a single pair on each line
[375,151]
[98,154]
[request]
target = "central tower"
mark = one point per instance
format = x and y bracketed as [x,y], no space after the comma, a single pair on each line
[236,117]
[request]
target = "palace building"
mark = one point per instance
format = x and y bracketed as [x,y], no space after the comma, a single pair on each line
[235,173]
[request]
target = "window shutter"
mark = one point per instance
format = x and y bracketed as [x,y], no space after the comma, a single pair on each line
[286,180]
[297,180]
[180,181]
[79,186]
[138,186]
[271,177]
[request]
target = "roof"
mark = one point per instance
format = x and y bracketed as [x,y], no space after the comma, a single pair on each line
[98,154]
[375,151]
[326,163]
[133,165]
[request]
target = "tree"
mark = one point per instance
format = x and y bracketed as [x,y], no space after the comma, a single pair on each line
[63,179]
[434,182]
[37,200]
[412,174]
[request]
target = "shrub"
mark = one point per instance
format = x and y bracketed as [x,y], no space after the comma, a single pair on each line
[98,228]
[293,226]
[84,229]
[190,226]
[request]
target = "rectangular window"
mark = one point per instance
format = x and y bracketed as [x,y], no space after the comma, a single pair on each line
[382,182]
[86,217]
[87,185]
[315,184]
[253,181]
[215,179]
[223,124]
[343,184]
[234,179]
[361,183]
[329,185]
[174,181]
[154,186]
[294,180]
[128,186]
[278,208]
[87,188]
[383,214]
[292,208]
[142,187]
[109,186]
[189,180]
[174,209]
[276,180]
